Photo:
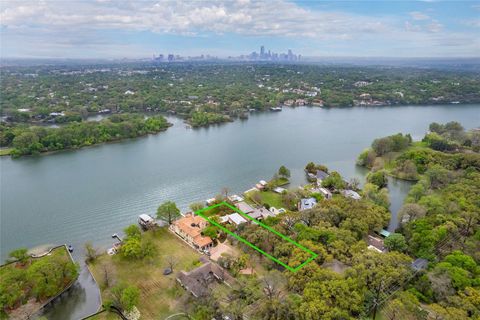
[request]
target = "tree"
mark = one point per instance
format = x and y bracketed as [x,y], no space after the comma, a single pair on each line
[378,178]
[172,261]
[168,211]
[125,297]
[21,255]
[196,206]
[132,231]
[90,253]
[210,231]
[396,242]
[334,181]
[284,172]
[411,211]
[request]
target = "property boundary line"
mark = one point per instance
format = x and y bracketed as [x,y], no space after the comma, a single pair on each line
[241,239]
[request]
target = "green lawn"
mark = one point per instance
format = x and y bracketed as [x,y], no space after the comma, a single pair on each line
[159,294]
[272,198]
[5,152]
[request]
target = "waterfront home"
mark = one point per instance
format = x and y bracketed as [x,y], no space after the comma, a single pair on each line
[210,201]
[261,185]
[375,244]
[351,194]
[325,192]
[199,281]
[317,103]
[244,207]
[235,198]
[321,175]
[189,228]
[306,204]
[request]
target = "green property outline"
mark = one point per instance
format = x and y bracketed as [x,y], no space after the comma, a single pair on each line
[314,255]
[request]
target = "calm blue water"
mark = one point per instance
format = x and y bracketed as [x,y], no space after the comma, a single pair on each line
[75,196]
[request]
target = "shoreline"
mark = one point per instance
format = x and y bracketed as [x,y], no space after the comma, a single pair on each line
[187,122]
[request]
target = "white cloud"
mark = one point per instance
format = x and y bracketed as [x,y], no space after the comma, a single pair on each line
[59,25]
[416,15]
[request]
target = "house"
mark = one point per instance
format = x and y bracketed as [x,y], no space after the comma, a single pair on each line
[236,219]
[210,201]
[306,204]
[419,264]
[384,233]
[244,207]
[235,198]
[351,194]
[129,92]
[325,192]
[189,228]
[199,280]
[279,190]
[276,212]
[261,185]
[321,175]
[260,213]
[375,243]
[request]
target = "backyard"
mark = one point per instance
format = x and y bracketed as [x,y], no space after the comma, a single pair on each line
[160,296]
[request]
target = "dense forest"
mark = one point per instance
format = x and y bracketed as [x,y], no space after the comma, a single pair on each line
[28,140]
[58,94]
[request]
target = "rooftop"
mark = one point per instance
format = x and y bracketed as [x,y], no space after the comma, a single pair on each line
[308,203]
[244,207]
[198,280]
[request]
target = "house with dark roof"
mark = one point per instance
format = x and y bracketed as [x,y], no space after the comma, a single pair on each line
[419,264]
[321,175]
[200,280]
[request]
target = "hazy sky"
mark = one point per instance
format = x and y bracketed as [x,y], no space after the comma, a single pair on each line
[116,29]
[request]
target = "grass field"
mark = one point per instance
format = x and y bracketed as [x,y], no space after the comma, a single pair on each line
[268,197]
[160,295]
[5,152]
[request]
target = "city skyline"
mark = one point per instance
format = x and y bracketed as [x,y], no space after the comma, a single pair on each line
[133,29]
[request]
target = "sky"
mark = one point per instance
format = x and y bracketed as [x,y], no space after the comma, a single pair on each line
[138,29]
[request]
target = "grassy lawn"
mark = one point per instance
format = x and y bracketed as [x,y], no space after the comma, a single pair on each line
[159,294]
[272,198]
[5,152]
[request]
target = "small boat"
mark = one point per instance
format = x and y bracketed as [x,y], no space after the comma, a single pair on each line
[276,108]
[70,249]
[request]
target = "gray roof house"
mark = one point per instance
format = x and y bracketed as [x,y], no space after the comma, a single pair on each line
[198,280]
[306,204]
[244,207]
[321,175]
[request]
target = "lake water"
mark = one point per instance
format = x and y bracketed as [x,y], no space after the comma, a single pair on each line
[89,194]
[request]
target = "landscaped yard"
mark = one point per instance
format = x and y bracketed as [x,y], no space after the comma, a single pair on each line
[160,295]
[269,197]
